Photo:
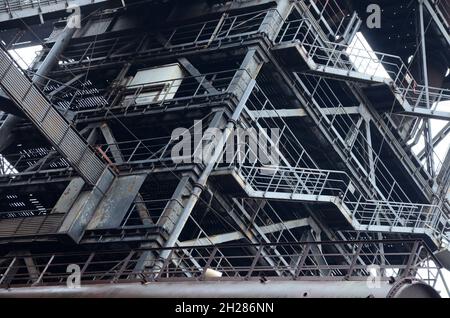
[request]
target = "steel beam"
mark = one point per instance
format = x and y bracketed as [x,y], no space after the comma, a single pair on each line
[234,236]
[300,112]
[438,137]
[197,75]
[112,143]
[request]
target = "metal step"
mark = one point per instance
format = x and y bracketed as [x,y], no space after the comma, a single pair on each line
[64,138]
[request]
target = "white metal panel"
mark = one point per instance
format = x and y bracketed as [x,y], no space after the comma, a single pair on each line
[155,84]
[154,75]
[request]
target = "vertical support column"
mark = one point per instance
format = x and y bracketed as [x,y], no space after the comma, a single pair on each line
[241,86]
[33,271]
[317,254]
[167,220]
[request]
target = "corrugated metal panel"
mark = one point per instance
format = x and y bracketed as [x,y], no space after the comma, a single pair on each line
[31,226]
[98,27]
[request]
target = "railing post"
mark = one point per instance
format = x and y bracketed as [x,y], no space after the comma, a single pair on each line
[87,263]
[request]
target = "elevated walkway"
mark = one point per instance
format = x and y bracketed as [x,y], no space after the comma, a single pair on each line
[336,188]
[386,80]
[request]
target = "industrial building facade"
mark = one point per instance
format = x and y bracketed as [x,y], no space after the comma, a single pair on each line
[212,148]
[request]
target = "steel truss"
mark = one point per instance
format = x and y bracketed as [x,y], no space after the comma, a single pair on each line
[336,191]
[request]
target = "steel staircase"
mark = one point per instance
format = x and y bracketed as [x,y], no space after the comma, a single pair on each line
[335,187]
[313,97]
[298,178]
[64,138]
[302,49]
[301,38]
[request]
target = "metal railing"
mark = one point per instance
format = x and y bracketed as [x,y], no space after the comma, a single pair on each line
[228,26]
[13,6]
[181,92]
[346,135]
[349,137]
[149,152]
[291,31]
[357,61]
[24,213]
[145,151]
[295,176]
[31,160]
[291,183]
[287,183]
[80,95]
[226,29]
[328,13]
[413,97]
[158,151]
[341,260]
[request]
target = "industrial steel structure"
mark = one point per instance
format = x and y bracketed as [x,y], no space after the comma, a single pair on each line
[323,186]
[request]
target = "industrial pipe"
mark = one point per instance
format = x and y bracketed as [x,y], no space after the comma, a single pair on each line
[233,289]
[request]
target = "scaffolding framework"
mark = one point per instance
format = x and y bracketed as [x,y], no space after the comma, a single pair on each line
[298,160]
